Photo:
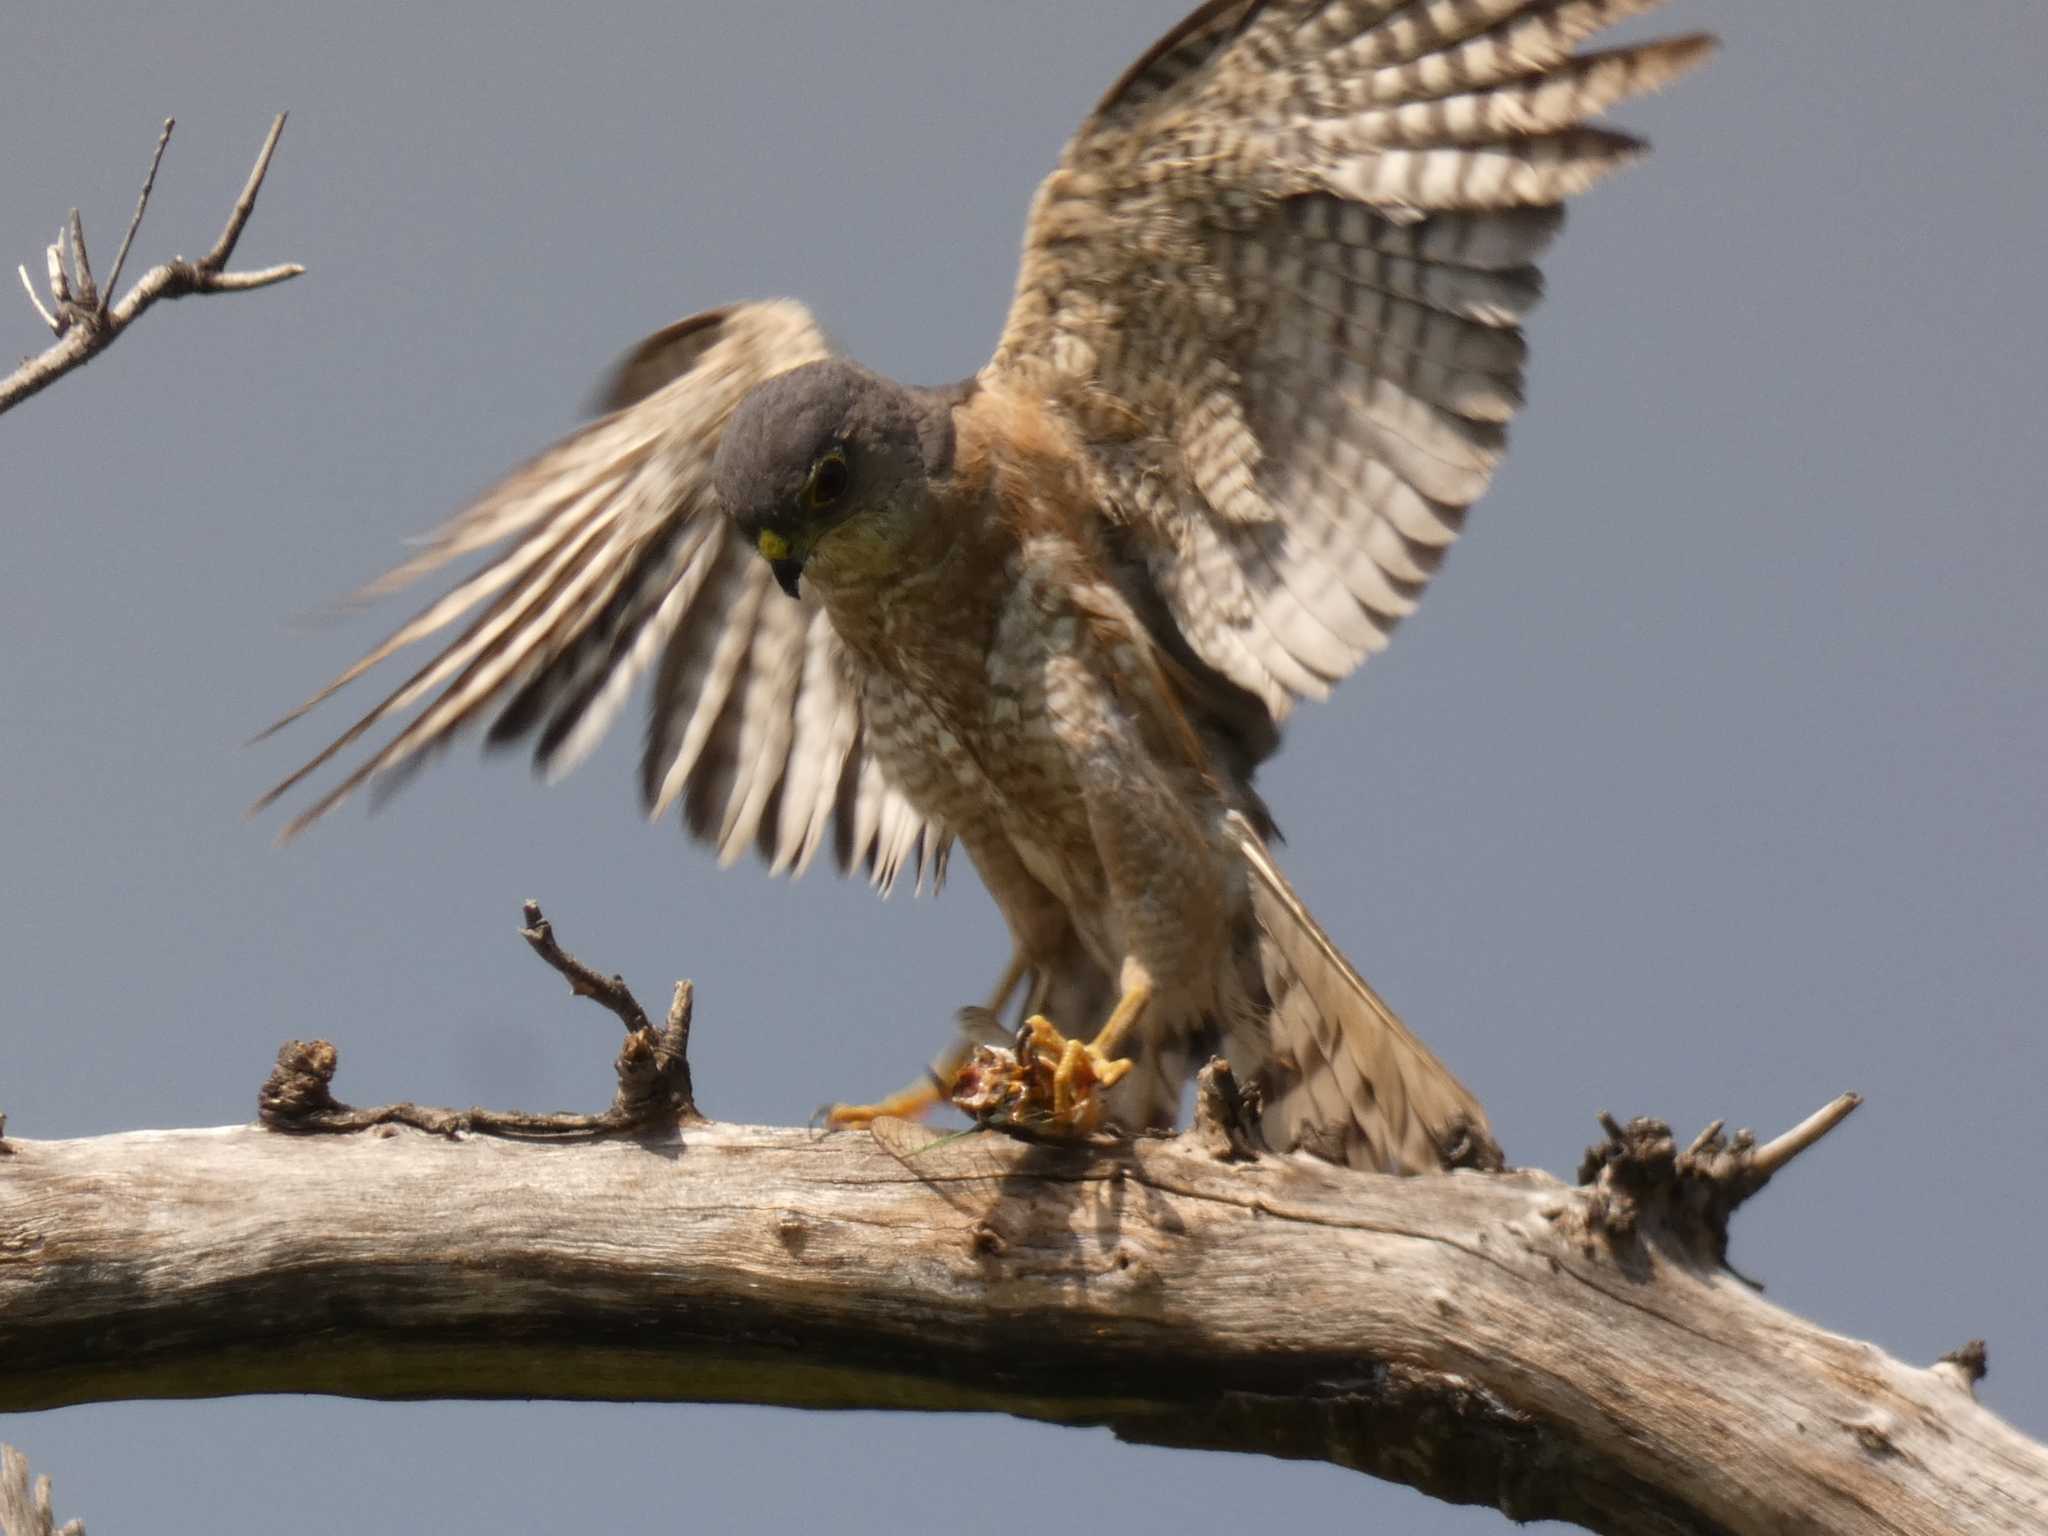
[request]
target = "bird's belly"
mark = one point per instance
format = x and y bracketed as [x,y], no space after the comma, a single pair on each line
[996,778]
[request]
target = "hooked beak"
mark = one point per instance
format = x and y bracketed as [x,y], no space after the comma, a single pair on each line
[785,557]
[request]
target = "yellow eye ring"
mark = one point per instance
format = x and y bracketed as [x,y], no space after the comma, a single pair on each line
[826,482]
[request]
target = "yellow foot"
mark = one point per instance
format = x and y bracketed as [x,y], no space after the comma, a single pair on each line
[904,1104]
[1048,1085]
[907,1103]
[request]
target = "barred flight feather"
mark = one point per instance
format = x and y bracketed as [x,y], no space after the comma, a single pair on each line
[619,561]
[1299,240]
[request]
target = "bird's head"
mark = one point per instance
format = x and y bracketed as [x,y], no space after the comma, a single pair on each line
[829,468]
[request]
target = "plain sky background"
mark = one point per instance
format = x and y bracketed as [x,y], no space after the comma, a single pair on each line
[1709,781]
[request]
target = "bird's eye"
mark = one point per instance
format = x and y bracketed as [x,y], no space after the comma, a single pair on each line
[827,480]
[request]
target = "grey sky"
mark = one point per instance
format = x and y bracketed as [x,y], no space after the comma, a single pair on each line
[1707,782]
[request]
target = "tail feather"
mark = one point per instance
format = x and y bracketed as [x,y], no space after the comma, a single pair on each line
[1340,1075]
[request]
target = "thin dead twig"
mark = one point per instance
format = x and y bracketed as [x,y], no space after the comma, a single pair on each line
[610,991]
[1780,1150]
[141,204]
[82,314]
[655,1090]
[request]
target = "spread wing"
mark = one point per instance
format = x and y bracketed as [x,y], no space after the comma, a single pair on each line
[1277,281]
[614,557]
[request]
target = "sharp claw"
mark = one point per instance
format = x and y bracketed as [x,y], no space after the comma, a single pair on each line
[1046,1083]
[1110,1071]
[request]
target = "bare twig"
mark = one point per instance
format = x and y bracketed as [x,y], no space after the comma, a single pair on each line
[610,991]
[142,203]
[83,288]
[238,216]
[653,1068]
[1776,1153]
[80,313]
[60,279]
[35,298]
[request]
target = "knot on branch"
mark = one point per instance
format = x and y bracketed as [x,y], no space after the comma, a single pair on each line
[298,1086]
[297,1097]
[1639,1178]
[654,1068]
[1968,1365]
[1226,1116]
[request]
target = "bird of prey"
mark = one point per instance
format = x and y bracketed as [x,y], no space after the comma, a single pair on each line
[1263,350]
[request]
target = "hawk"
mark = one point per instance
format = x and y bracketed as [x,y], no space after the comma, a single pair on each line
[1263,351]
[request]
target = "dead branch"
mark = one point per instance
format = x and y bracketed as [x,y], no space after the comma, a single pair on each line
[1575,1354]
[653,1069]
[609,991]
[25,1508]
[81,312]
[1555,1352]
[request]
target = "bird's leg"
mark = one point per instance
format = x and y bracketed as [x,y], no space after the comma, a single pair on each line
[906,1103]
[1020,966]
[1123,1018]
[936,1085]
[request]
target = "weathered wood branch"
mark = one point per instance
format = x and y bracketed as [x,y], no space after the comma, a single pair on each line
[25,1507]
[1577,1354]
[82,311]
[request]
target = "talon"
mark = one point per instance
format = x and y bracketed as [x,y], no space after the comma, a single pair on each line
[842,1117]
[1047,1084]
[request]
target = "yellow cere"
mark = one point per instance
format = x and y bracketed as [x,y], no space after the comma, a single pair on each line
[773,545]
